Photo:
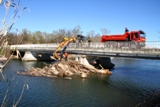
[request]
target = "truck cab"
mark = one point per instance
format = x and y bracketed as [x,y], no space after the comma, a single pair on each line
[137,36]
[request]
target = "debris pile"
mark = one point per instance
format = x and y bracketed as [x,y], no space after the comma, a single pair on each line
[64,69]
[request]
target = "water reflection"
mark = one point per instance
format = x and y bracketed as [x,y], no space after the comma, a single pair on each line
[29,64]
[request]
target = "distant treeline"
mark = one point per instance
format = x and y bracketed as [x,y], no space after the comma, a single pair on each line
[38,37]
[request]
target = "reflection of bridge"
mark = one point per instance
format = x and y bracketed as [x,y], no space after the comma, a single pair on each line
[150,51]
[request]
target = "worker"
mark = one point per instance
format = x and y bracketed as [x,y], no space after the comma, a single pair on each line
[126,30]
[89,43]
[61,56]
[66,56]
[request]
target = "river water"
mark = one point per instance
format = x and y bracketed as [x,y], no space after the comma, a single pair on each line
[134,82]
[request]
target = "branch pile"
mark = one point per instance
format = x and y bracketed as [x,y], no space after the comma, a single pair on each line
[64,69]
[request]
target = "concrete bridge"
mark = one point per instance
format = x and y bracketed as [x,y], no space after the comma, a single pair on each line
[44,51]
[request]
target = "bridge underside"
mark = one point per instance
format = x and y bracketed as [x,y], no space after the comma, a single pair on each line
[105,62]
[45,54]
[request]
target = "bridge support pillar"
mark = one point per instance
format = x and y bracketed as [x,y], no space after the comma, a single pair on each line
[83,60]
[28,57]
[105,62]
[101,62]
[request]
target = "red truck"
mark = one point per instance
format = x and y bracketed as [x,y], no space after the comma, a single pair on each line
[134,39]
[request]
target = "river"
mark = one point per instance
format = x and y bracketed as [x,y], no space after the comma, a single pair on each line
[132,83]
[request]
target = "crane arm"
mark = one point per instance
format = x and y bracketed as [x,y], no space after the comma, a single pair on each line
[65,42]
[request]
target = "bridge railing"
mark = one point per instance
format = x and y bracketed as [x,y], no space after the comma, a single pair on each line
[149,47]
[131,47]
[153,44]
[34,46]
[116,45]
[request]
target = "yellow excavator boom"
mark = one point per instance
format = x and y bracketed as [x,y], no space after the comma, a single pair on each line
[65,42]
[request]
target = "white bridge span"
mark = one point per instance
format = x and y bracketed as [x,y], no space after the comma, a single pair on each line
[150,51]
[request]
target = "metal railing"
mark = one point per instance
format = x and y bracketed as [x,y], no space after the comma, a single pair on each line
[148,47]
[119,45]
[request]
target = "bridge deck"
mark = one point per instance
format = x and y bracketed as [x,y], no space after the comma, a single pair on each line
[95,50]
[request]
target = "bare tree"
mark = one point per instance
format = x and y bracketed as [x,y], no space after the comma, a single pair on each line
[48,37]
[58,35]
[26,36]
[90,35]
[38,37]
[76,31]
[104,31]
[96,38]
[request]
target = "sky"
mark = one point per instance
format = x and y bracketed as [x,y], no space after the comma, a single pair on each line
[91,15]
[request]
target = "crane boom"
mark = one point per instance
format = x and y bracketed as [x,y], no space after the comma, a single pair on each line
[63,43]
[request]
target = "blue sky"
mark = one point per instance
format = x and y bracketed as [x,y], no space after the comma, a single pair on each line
[92,15]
